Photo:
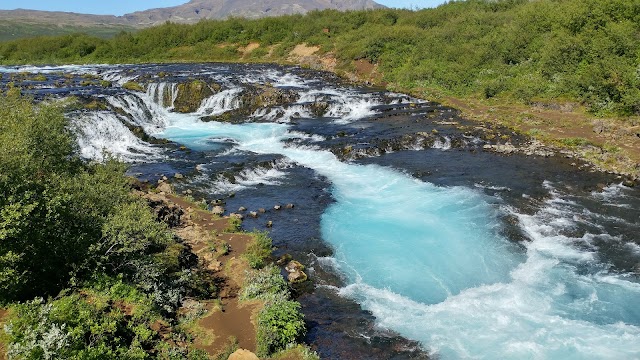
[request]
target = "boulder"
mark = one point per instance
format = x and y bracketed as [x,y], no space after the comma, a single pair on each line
[269,224]
[191,94]
[319,108]
[262,211]
[267,96]
[237,216]
[256,97]
[178,176]
[170,214]
[217,210]
[165,188]
[289,206]
[297,277]
[253,214]
[242,354]
[242,208]
[294,266]
[296,272]
[277,207]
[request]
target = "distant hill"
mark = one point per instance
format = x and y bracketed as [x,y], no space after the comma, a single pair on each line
[23,23]
[196,10]
[15,24]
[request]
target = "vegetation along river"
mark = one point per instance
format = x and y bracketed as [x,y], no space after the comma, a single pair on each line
[419,238]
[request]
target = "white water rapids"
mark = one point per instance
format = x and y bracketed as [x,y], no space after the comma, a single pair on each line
[427,261]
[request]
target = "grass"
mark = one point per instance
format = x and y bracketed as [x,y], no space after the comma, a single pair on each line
[259,249]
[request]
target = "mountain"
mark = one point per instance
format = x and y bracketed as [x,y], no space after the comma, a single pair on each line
[15,24]
[196,10]
[22,23]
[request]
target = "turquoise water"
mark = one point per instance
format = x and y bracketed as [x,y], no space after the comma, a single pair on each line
[428,262]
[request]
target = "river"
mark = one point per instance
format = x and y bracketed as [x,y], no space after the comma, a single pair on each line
[419,241]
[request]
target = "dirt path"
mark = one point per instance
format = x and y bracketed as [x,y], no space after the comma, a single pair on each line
[229,320]
[3,351]
[234,321]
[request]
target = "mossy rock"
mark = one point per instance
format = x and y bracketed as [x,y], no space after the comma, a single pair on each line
[262,96]
[133,86]
[96,105]
[86,83]
[191,94]
[39,77]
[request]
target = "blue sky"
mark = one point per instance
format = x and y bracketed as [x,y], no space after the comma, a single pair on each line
[119,7]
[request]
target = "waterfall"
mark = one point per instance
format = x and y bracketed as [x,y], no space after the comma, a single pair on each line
[102,133]
[163,94]
[220,103]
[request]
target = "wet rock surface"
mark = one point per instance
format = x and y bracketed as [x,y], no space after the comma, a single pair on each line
[191,94]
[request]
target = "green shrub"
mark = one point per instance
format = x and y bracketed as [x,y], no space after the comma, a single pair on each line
[574,141]
[86,326]
[280,324]
[264,284]
[259,249]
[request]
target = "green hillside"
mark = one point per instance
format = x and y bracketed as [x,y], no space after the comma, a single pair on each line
[579,50]
[13,30]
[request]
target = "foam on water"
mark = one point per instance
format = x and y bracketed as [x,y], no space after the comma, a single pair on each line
[282,114]
[428,262]
[220,103]
[247,178]
[162,93]
[344,105]
[143,111]
[100,133]
[442,145]
[50,69]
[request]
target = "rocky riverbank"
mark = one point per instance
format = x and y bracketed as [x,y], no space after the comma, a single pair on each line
[226,326]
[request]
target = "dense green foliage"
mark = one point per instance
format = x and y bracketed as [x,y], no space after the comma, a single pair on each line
[73,233]
[580,50]
[280,322]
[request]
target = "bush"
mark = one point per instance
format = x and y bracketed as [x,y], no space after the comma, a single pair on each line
[88,326]
[259,250]
[264,284]
[280,324]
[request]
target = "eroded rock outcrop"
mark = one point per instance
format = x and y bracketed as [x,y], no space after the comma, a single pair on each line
[191,94]
[296,272]
[256,97]
[171,214]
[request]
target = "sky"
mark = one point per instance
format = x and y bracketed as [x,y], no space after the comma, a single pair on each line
[120,7]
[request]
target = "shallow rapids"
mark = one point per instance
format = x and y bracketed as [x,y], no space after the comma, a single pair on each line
[468,262]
